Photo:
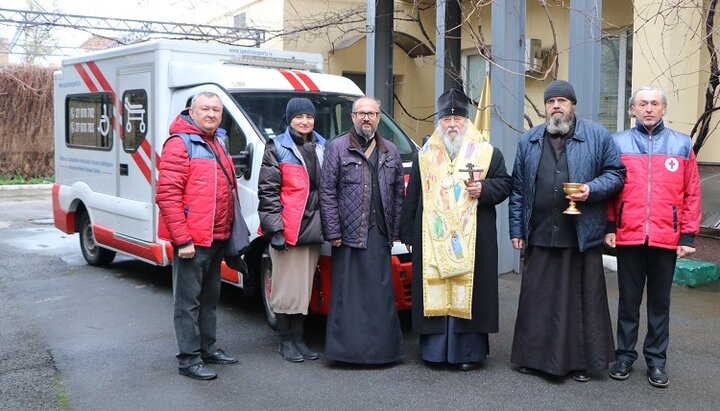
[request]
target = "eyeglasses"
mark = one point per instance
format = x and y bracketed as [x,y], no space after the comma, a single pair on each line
[361,114]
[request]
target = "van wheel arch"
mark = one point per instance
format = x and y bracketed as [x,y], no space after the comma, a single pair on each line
[91,251]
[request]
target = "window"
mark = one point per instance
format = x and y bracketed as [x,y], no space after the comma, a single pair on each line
[474,72]
[89,120]
[235,141]
[615,80]
[135,119]
[267,112]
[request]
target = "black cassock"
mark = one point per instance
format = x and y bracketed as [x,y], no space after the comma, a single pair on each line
[363,325]
[563,320]
[449,339]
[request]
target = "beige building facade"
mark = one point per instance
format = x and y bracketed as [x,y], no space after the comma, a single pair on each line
[638,47]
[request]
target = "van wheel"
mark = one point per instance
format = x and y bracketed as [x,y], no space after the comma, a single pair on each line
[94,254]
[266,289]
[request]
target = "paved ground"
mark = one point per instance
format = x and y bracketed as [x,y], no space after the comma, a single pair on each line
[80,337]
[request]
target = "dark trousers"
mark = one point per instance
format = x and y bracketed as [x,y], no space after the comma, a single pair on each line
[635,264]
[196,292]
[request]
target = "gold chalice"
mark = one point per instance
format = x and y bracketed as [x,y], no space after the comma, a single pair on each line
[572,188]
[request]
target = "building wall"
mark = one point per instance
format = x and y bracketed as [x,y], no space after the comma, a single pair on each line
[667,51]
[416,89]
[670,53]
[320,25]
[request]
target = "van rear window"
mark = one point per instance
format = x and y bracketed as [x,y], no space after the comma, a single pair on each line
[267,111]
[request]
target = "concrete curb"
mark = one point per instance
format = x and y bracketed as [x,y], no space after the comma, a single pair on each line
[26,187]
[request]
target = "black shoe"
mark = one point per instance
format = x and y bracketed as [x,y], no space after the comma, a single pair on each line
[198,372]
[219,357]
[433,364]
[467,366]
[297,327]
[304,350]
[581,376]
[621,370]
[288,350]
[657,377]
[525,370]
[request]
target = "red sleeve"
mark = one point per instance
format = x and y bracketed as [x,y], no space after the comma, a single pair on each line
[174,171]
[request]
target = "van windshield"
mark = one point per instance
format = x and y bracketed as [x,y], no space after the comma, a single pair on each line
[267,111]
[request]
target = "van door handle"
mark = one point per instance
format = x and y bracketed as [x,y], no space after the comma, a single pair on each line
[123,169]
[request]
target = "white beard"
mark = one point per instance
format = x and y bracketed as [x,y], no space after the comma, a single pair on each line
[452,146]
[560,125]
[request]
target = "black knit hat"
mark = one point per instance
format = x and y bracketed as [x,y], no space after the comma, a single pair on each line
[560,88]
[453,103]
[297,106]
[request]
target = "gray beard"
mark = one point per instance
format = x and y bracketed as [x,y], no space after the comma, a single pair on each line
[366,134]
[452,147]
[559,125]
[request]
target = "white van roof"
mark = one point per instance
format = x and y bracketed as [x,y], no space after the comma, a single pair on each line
[235,68]
[206,52]
[236,78]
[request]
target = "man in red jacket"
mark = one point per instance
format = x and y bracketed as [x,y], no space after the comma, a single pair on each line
[652,221]
[196,215]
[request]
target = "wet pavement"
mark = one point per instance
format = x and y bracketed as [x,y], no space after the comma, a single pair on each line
[80,337]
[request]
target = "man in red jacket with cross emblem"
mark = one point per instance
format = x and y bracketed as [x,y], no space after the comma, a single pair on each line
[652,222]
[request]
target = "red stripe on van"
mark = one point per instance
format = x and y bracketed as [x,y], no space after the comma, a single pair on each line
[85,77]
[145,145]
[293,81]
[100,77]
[309,83]
[151,252]
[142,165]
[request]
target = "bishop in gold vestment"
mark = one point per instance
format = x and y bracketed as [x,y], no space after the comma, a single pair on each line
[448,222]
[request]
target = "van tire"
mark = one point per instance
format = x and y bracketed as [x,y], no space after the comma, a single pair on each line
[265,280]
[93,253]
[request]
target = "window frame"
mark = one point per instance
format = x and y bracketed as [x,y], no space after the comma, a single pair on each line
[623,88]
[105,99]
[145,120]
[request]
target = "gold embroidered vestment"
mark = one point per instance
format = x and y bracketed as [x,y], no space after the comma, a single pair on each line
[449,222]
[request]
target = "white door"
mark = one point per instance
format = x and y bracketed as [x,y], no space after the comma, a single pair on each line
[136,159]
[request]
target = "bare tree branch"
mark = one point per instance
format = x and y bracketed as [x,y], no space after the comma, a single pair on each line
[703,123]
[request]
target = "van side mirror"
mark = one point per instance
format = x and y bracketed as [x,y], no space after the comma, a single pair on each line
[243,162]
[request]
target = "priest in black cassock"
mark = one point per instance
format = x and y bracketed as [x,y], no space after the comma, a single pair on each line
[563,321]
[448,222]
[361,195]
